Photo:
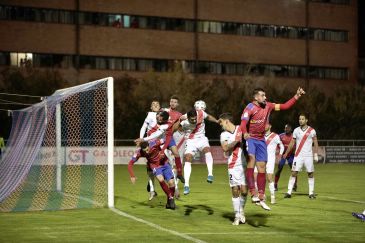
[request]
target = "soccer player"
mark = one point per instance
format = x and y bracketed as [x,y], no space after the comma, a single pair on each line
[174,117]
[304,137]
[253,121]
[160,167]
[272,142]
[194,128]
[231,142]
[149,123]
[285,138]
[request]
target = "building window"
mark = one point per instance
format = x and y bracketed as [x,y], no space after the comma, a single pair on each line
[4,59]
[21,59]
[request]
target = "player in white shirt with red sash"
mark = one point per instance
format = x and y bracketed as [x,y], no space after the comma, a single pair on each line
[196,141]
[149,123]
[272,142]
[304,136]
[231,142]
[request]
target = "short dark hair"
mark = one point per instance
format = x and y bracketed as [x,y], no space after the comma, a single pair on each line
[226,116]
[305,115]
[288,125]
[155,99]
[144,145]
[175,97]
[256,91]
[192,113]
[164,114]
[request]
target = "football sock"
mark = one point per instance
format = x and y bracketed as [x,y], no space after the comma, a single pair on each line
[175,178]
[178,165]
[261,184]
[272,188]
[236,202]
[291,184]
[172,190]
[187,172]
[250,181]
[152,188]
[209,162]
[242,204]
[311,185]
[166,189]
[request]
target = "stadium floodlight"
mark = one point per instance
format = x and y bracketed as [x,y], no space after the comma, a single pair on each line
[49,162]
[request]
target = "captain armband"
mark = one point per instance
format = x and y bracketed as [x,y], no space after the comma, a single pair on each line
[277,107]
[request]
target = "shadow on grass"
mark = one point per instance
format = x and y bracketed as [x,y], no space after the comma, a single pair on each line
[158,201]
[190,208]
[255,220]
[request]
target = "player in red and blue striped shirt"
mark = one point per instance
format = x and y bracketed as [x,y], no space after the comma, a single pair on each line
[253,121]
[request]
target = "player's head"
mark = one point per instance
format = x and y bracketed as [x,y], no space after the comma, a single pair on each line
[145,146]
[162,117]
[288,128]
[174,102]
[155,105]
[303,119]
[192,116]
[200,105]
[259,96]
[267,127]
[225,120]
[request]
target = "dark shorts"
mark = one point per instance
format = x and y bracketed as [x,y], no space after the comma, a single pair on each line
[172,143]
[165,171]
[289,159]
[257,148]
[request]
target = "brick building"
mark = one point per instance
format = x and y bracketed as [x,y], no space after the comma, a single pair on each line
[297,41]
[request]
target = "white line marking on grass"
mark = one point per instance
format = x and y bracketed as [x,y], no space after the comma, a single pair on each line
[345,200]
[267,233]
[182,235]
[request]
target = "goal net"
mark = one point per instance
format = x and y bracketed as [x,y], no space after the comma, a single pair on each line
[48,162]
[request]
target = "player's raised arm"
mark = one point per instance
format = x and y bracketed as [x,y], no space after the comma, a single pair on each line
[212,118]
[290,102]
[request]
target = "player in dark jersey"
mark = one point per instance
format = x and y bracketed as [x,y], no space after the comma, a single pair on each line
[285,138]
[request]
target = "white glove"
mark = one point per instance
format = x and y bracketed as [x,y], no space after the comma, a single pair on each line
[316,157]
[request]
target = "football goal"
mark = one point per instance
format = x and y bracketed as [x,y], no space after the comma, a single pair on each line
[49,163]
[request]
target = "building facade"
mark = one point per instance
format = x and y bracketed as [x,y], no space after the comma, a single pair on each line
[296,41]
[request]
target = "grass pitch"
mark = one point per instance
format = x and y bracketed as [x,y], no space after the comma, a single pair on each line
[205,215]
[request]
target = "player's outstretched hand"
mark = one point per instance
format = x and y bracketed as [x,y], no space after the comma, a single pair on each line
[133,180]
[299,93]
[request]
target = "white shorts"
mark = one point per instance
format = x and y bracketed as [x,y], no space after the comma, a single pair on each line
[236,176]
[194,145]
[307,161]
[270,164]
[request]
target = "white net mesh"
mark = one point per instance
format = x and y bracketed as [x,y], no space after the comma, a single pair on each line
[47,163]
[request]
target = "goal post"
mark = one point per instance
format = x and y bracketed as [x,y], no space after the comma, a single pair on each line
[59,154]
